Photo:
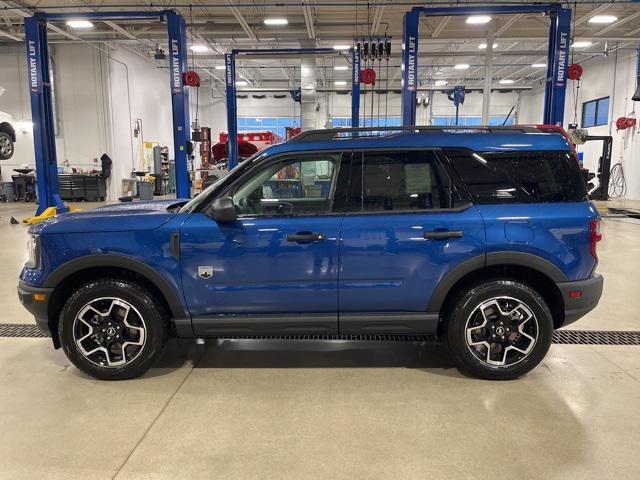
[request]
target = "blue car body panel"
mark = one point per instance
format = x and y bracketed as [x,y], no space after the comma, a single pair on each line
[388,266]
[255,268]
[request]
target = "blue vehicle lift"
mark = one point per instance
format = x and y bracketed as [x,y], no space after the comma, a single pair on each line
[230,81]
[557,59]
[42,106]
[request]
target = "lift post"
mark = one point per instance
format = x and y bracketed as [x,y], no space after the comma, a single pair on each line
[559,35]
[44,134]
[230,87]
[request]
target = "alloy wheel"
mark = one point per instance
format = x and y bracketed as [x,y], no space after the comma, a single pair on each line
[501,331]
[6,146]
[109,332]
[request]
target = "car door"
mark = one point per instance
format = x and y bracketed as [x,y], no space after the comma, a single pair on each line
[275,269]
[406,226]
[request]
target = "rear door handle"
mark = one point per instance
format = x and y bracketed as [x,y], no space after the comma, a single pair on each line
[442,234]
[305,237]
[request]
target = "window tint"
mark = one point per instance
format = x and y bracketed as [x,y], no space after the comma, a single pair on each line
[595,112]
[393,181]
[295,186]
[519,177]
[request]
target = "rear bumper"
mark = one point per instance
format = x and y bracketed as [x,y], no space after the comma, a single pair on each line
[590,293]
[28,296]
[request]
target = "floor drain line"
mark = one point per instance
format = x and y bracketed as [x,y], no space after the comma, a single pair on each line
[564,337]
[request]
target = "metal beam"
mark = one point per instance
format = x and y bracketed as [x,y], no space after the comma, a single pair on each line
[441,26]
[377,18]
[241,20]
[594,12]
[10,35]
[618,23]
[308,20]
[507,25]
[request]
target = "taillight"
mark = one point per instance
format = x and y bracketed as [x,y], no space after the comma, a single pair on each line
[595,235]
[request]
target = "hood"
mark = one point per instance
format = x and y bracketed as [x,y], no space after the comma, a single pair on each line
[120,217]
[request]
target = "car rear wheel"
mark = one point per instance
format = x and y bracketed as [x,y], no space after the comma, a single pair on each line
[6,146]
[113,329]
[499,330]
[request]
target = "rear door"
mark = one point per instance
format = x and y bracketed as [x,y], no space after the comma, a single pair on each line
[406,226]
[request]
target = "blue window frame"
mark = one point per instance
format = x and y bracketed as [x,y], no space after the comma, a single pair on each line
[595,112]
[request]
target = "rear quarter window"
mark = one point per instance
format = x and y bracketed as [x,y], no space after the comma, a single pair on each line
[519,177]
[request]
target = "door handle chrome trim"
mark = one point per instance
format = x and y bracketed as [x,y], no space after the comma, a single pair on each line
[442,234]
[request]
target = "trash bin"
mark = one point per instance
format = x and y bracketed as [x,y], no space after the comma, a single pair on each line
[145,190]
[8,191]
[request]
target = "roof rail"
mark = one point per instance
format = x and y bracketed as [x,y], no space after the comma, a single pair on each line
[350,132]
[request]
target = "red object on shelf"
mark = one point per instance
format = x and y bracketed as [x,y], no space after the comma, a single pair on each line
[575,71]
[259,139]
[245,150]
[291,132]
[368,76]
[191,78]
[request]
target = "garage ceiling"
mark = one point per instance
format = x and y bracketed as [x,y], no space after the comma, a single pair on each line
[221,25]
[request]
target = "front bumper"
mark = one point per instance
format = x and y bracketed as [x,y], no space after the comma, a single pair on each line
[575,306]
[36,300]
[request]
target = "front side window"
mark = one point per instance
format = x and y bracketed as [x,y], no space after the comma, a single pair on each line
[292,186]
[394,181]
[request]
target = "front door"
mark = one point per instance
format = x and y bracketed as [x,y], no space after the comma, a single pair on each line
[275,270]
[405,227]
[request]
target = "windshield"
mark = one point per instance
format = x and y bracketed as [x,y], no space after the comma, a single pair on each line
[197,202]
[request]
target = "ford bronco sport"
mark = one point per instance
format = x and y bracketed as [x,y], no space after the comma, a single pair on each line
[483,238]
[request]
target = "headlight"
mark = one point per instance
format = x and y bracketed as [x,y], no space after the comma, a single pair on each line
[33,250]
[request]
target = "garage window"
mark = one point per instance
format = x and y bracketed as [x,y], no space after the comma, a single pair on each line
[595,112]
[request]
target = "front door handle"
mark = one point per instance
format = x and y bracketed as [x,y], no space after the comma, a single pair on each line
[442,234]
[305,237]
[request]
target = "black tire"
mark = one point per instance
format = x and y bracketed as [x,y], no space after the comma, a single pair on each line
[472,351]
[6,146]
[146,313]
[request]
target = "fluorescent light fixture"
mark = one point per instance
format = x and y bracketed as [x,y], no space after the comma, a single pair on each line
[241,83]
[199,48]
[438,72]
[341,67]
[220,67]
[483,46]
[461,66]
[276,21]
[507,81]
[603,19]
[440,83]
[340,82]
[341,47]
[79,24]
[581,44]
[538,65]
[478,19]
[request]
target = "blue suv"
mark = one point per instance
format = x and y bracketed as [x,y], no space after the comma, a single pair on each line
[481,237]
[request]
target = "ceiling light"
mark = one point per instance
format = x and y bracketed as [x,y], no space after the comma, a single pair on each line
[603,19]
[276,21]
[440,83]
[461,66]
[482,46]
[199,48]
[507,81]
[241,83]
[581,44]
[478,19]
[341,47]
[340,82]
[538,65]
[341,67]
[79,24]
[438,73]
[220,67]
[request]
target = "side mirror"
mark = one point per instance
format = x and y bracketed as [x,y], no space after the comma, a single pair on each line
[223,210]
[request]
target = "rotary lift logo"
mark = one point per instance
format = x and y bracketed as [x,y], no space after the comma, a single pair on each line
[34,84]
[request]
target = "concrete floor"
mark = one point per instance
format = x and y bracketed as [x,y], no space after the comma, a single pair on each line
[257,409]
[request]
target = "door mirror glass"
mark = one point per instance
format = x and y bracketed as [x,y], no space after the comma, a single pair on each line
[223,210]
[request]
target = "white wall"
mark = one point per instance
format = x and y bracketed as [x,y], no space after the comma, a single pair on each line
[597,82]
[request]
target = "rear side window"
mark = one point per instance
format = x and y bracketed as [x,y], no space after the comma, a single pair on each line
[519,177]
[393,181]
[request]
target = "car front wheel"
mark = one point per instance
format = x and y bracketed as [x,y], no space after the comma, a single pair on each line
[499,330]
[113,329]
[6,146]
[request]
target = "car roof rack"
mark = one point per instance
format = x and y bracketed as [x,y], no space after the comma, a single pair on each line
[350,132]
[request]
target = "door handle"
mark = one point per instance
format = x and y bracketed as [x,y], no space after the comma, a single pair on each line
[305,237]
[442,234]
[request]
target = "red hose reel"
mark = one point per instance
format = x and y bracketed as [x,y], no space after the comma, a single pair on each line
[575,71]
[191,78]
[368,76]
[623,123]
